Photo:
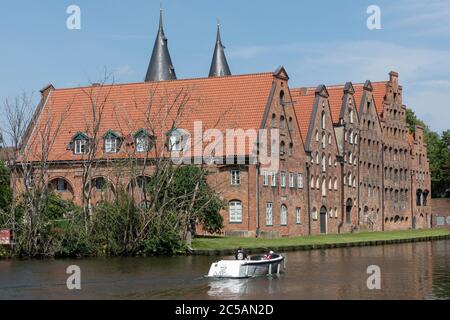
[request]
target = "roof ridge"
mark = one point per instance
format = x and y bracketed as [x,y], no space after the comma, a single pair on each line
[172,80]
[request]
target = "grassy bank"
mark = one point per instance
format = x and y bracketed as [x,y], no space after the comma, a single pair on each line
[224,244]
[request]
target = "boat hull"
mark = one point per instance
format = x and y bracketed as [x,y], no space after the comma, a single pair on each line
[245,268]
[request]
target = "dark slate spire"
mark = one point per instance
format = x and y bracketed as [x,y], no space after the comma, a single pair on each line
[160,67]
[219,64]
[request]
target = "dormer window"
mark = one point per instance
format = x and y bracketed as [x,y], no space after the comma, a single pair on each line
[178,139]
[79,143]
[112,142]
[143,141]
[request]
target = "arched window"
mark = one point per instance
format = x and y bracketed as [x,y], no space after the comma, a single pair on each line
[351,137]
[354,182]
[312,182]
[329,138]
[324,187]
[351,115]
[317,158]
[282,148]
[330,184]
[281,98]
[317,135]
[291,149]
[350,157]
[324,163]
[349,179]
[290,124]
[324,142]
[356,138]
[282,122]
[274,120]
[235,211]
[329,160]
[317,183]
[335,183]
[283,215]
[323,120]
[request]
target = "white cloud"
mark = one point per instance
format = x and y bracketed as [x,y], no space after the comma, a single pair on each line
[424,73]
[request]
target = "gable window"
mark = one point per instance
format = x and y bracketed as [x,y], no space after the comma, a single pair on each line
[283,215]
[235,209]
[329,138]
[291,149]
[351,137]
[269,214]
[312,182]
[291,180]
[80,143]
[235,177]
[298,216]
[274,120]
[317,135]
[351,115]
[335,183]
[265,178]
[112,142]
[317,183]
[330,184]
[290,124]
[324,163]
[282,148]
[282,122]
[299,181]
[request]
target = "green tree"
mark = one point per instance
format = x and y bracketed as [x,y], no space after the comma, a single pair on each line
[5,189]
[438,150]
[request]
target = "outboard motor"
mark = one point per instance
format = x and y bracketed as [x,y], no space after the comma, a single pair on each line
[240,254]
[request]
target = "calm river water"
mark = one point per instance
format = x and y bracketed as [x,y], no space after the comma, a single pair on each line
[408,271]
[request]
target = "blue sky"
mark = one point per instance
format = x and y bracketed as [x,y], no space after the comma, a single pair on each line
[317,42]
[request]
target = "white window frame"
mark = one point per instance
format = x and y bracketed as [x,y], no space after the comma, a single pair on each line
[273,177]
[283,179]
[80,144]
[111,144]
[235,211]
[235,176]
[299,181]
[291,180]
[265,178]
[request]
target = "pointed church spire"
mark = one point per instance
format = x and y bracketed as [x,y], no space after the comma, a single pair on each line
[160,67]
[219,64]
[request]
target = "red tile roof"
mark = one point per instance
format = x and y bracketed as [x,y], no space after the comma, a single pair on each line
[220,103]
[303,105]
[336,93]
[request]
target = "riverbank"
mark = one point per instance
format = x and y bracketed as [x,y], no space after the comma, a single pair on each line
[228,245]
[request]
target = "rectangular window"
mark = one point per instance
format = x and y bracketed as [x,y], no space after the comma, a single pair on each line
[298,218]
[235,211]
[269,214]
[265,178]
[142,144]
[235,177]
[80,146]
[283,216]
[273,178]
[283,179]
[61,185]
[111,145]
[299,180]
[291,180]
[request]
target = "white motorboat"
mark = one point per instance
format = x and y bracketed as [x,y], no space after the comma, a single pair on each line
[250,267]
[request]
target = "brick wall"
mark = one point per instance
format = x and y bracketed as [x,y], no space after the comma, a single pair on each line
[440,209]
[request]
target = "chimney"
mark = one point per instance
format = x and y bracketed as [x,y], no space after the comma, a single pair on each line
[393,79]
[46,91]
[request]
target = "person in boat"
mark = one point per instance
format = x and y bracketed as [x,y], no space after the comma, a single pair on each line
[269,255]
[241,254]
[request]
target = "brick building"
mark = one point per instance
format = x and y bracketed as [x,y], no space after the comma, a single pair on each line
[346,160]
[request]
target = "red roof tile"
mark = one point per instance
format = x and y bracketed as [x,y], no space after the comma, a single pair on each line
[303,106]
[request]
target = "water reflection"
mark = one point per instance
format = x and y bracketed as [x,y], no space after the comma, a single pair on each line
[409,271]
